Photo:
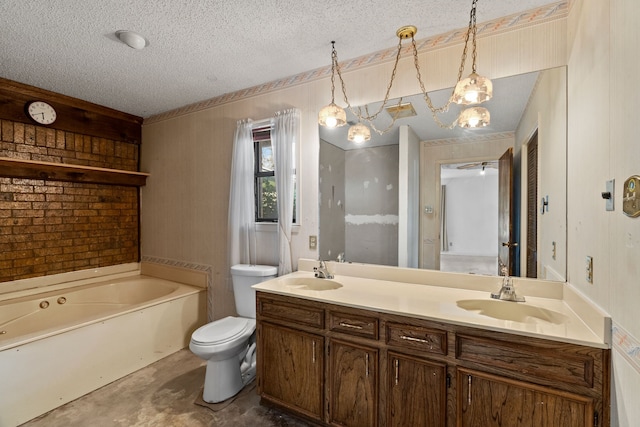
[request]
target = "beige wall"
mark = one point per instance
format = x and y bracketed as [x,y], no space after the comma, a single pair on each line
[185,201]
[546,112]
[603,145]
[184,205]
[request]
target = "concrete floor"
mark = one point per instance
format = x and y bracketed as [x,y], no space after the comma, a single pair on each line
[161,395]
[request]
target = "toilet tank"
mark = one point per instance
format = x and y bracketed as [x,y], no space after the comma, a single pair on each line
[244,276]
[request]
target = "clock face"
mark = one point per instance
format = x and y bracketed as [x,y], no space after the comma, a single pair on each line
[42,112]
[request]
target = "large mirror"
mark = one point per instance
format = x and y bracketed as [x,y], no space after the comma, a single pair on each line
[480,201]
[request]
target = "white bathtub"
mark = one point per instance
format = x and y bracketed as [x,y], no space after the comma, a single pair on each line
[57,346]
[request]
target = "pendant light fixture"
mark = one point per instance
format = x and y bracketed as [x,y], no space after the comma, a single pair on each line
[332,115]
[472,90]
[359,133]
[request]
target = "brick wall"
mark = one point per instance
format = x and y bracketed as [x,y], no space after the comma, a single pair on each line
[49,227]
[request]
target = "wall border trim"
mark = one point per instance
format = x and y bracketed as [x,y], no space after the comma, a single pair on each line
[627,345]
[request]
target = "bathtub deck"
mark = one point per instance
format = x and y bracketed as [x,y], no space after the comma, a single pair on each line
[43,374]
[161,394]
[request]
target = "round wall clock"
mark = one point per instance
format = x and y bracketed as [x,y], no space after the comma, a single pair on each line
[41,112]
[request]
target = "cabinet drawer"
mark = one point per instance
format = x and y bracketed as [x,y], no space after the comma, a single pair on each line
[353,324]
[527,362]
[417,337]
[299,314]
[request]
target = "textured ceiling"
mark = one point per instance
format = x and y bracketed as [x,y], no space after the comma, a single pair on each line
[202,49]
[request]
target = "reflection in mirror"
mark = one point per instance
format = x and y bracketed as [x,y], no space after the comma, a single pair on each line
[469,243]
[382,202]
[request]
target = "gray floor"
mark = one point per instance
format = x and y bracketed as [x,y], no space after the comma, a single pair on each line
[162,394]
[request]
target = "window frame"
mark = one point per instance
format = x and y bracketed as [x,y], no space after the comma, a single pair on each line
[260,134]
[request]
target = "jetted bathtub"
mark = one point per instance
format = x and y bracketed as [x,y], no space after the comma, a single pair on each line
[57,346]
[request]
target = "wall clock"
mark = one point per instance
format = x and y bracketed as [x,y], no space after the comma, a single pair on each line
[41,112]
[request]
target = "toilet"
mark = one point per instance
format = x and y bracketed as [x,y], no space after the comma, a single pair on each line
[229,344]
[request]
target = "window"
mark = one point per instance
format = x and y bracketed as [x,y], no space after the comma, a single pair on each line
[266,196]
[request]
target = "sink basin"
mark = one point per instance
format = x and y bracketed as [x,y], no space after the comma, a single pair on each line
[513,311]
[312,284]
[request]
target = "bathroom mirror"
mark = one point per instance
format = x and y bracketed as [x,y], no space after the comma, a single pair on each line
[416,196]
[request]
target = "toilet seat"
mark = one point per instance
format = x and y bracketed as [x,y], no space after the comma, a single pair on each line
[220,331]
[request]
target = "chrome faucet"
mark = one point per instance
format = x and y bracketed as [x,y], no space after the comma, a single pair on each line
[507,292]
[322,272]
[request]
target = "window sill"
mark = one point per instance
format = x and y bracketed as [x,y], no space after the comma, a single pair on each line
[271,227]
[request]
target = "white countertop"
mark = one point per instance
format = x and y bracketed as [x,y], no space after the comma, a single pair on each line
[441,303]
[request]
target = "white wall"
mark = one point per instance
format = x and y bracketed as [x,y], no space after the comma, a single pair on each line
[472,215]
[409,198]
[371,207]
[332,201]
[432,155]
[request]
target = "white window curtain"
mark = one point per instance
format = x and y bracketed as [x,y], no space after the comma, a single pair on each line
[242,235]
[286,126]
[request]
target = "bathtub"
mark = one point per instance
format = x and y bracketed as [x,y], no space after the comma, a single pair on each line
[56,346]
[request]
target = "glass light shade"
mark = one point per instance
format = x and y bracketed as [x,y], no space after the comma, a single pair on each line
[332,116]
[474,89]
[474,117]
[359,133]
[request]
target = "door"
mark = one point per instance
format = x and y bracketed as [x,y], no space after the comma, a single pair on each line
[417,392]
[532,203]
[353,395]
[506,238]
[485,400]
[291,368]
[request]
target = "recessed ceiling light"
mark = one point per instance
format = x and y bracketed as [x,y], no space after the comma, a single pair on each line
[132,39]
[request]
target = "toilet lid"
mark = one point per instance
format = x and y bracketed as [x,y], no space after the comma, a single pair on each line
[220,330]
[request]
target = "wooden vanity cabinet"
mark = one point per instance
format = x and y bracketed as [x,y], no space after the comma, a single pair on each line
[341,366]
[486,400]
[512,380]
[290,357]
[353,384]
[416,391]
[353,367]
[417,379]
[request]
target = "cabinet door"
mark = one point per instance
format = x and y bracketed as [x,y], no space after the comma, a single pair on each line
[291,368]
[417,392]
[487,400]
[353,395]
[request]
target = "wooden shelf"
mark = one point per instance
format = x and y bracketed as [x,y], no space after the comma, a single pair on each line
[30,169]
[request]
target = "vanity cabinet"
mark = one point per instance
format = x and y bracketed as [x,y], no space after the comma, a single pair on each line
[291,361]
[353,384]
[486,400]
[343,366]
[417,391]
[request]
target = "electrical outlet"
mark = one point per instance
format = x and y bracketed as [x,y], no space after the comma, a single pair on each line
[589,268]
[313,242]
